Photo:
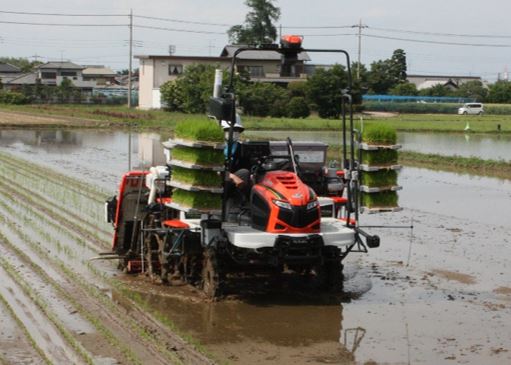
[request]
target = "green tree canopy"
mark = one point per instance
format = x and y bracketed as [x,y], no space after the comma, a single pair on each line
[437,90]
[404,88]
[23,63]
[397,66]
[500,92]
[473,89]
[324,90]
[258,27]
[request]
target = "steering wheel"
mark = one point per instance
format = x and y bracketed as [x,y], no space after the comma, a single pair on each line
[268,163]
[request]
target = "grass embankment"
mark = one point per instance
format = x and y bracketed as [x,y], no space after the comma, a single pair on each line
[469,165]
[158,119]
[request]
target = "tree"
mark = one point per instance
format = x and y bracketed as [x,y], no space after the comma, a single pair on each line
[500,92]
[263,99]
[258,27]
[23,63]
[65,90]
[472,89]
[324,90]
[397,66]
[380,78]
[404,88]
[437,90]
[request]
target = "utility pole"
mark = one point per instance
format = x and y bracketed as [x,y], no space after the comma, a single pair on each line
[359,26]
[131,56]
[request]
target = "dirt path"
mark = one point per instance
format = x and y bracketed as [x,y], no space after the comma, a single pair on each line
[23,120]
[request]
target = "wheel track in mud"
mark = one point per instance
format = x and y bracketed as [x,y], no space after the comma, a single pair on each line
[155,329]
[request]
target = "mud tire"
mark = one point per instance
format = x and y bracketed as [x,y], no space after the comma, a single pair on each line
[211,279]
[330,276]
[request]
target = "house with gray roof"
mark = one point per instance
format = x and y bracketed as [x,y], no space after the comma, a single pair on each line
[261,66]
[8,72]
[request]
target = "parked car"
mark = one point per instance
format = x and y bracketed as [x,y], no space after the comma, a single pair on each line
[471,108]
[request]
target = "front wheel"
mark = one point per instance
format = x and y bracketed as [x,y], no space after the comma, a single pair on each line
[330,276]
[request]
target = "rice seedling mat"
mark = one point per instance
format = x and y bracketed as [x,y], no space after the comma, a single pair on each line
[195,144]
[194,166]
[194,187]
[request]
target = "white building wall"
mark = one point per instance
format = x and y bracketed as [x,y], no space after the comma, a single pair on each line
[145,85]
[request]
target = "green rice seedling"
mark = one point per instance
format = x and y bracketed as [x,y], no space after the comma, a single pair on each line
[379,178]
[199,130]
[382,157]
[196,177]
[386,199]
[201,156]
[198,200]
[379,133]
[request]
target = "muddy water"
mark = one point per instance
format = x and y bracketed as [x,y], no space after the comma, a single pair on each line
[441,295]
[480,145]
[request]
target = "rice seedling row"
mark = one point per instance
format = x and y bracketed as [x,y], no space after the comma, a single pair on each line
[45,307]
[55,217]
[60,283]
[60,196]
[69,268]
[25,331]
[57,178]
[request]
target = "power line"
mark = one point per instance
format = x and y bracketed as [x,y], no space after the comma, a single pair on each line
[65,24]
[177,30]
[182,21]
[439,42]
[441,34]
[61,14]
[318,27]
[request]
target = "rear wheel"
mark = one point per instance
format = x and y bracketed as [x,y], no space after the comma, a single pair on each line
[211,278]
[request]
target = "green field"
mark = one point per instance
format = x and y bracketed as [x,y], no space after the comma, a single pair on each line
[161,120]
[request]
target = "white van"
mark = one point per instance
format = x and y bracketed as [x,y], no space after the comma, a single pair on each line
[471,108]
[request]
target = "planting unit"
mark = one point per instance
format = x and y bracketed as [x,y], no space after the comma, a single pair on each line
[378,167]
[197,179]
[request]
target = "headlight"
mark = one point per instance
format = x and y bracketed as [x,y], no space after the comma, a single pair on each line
[312,204]
[282,204]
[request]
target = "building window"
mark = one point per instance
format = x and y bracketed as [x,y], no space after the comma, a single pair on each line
[68,73]
[175,69]
[48,75]
[253,71]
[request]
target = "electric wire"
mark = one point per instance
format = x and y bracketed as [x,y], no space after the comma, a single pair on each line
[438,42]
[61,14]
[176,30]
[182,21]
[441,34]
[64,24]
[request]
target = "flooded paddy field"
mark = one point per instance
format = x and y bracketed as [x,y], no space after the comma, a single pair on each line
[440,294]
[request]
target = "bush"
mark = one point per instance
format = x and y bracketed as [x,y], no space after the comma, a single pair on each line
[12,97]
[298,108]
[258,98]
[399,107]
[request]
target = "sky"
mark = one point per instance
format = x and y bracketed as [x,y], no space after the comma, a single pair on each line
[477,33]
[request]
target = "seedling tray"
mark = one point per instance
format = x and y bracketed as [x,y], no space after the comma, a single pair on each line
[195,144]
[189,187]
[374,210]
[194,166]
[368,189]
[372,168]
[373,147]
[193,210]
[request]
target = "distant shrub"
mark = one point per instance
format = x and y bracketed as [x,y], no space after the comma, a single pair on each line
[298,108]
[12,97]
